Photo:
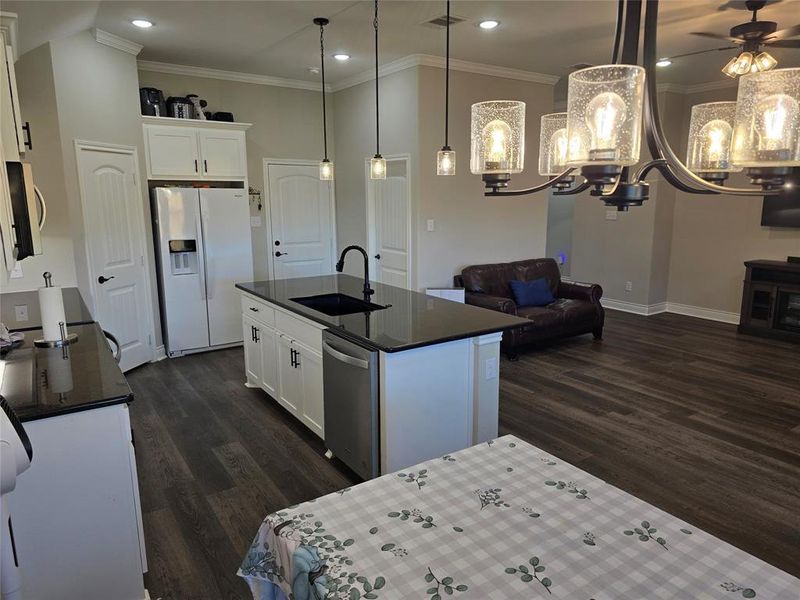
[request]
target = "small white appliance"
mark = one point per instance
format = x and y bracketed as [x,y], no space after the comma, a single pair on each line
[15,458]
[203,246]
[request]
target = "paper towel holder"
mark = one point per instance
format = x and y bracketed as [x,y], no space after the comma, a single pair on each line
[66,339]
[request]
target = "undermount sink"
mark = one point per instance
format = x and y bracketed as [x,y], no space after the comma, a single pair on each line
[336,305]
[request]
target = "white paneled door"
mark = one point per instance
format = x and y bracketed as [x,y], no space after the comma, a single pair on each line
[389,224]
[113,219]
[301,212]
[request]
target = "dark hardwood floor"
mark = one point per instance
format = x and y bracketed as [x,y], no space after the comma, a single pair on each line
[683,413]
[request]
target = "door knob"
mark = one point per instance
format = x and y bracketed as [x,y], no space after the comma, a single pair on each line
[378,256]
[101,280]
[279,253]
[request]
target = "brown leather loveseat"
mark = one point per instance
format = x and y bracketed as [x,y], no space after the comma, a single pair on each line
[575,311]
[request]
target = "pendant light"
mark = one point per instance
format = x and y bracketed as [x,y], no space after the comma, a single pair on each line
[377,165]
[325,165]
[446,157]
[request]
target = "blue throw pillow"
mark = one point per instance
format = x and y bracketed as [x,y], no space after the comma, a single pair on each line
[532,293]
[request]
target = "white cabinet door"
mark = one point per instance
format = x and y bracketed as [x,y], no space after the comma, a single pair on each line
[312,413]
[252,352]
[223,153]
[10,120]
[289,376]
[267,340]
[172,151]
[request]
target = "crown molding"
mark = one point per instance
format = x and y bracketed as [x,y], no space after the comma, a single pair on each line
[678,88]
[8,26]
[114,41]
[427,60]
[173,69]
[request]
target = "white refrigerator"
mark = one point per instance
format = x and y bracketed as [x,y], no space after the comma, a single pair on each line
[203,246]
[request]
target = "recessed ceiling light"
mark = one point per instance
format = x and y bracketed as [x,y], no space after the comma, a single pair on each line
[341,56]
[142,23]
[663,62]
[488,24]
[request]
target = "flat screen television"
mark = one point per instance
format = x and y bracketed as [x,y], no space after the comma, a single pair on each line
[783,210]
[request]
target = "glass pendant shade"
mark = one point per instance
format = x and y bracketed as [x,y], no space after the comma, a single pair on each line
[497,137]
[710,133]
[377,167]
[604,115]
[326,170]
[765,61]
[766,131]
[553,144]
[446,161]
[743,63]
[730,68]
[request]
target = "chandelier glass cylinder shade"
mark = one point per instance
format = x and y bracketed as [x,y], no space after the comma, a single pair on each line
[710,132]
[604,115]
[766,131]
[497,137]
[553,144]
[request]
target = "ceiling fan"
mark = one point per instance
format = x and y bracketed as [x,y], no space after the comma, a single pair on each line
[750,37]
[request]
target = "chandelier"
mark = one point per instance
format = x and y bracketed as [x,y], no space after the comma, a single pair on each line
[609,107]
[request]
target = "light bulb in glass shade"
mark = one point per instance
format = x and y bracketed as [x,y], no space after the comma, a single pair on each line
[377,167]
[730,67]
[446,161]
[553,144]
[766,130]
[326,170]
[743,63]
[604,115]
[765,61]
[710,133]
[497,137]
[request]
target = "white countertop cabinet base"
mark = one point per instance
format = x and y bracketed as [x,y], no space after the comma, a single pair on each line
[76,511]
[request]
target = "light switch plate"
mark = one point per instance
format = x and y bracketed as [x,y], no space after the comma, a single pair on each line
[16,273]
[255,221]
[21,312]
[431,225]
[611,214]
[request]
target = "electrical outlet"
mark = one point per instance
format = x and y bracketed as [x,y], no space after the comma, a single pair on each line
[255,221]
[490,372]
[21,312]
[431,225]
[16,273]
[611,214]
[628,286]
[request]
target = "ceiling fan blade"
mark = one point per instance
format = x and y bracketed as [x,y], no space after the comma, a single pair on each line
[717,37]
[784,44]
[785,33]
[703,52]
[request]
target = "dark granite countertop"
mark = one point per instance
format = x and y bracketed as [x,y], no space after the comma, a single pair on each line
[74,309]
[40,383]
[412,319]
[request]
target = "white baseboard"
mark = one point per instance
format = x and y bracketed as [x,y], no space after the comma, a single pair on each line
[710,314]
[633,307]
[160,353]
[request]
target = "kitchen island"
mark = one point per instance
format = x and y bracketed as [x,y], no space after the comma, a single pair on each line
[438,375]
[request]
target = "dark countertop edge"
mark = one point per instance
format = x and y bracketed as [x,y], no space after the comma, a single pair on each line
[57,412]
[369,343]
[39,326]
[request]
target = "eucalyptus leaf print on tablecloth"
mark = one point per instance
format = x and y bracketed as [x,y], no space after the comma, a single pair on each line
[528,574]
[445,584]
[530,512]
[571,487]
[645,534]
[415,515]
[589,539]
[730,586]
[418,478]
[491,497]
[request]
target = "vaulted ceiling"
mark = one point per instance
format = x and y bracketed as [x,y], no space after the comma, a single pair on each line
[277,38]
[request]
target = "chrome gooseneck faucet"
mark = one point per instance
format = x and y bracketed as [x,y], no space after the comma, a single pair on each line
[368,291]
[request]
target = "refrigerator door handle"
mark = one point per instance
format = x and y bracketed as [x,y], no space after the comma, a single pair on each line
[201,271]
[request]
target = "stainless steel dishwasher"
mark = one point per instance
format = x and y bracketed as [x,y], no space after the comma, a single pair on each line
[350,384]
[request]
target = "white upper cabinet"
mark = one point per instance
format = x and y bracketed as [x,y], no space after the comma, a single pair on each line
[223,153]
[13,139]
[195,150]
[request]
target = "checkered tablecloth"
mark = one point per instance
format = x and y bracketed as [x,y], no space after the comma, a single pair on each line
[496,521]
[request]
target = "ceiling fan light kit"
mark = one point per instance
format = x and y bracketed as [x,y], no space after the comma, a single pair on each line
[610,106]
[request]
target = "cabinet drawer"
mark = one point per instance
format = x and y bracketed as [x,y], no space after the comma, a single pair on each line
[260,311]
[299,330]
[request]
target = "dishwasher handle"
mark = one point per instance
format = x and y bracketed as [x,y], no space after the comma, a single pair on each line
[345,358]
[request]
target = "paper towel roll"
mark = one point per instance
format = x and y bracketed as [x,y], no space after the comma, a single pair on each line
[59,371]
[51,305]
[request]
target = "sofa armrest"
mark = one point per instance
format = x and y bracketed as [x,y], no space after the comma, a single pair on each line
[591,292]
[498,303]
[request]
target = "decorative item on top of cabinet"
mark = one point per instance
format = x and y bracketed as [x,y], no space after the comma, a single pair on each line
[184,149]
